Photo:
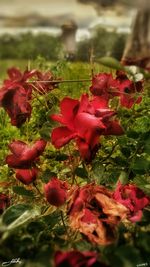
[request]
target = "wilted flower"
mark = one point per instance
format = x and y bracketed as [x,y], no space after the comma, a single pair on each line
[4,202]
[15,100]
[45,82]
[23,156]
[77,259]
[56,192]
[15,96]
[104,85]
[16,92]
[27,176]
[85,122]
[16,76]
[133,198]
[94,212]
[129,90]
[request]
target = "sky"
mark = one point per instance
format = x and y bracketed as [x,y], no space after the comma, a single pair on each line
[48,8]
[84,15]
[45,7]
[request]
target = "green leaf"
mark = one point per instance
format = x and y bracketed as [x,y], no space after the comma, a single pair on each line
[20,190]
[19,214]
[126,151]
[81,172]
[47,128]
[132,134]
[47,175]
[128,255]
[140,165]
[60,230]
[98,171]
[13,212]
[147,145]
[142,183]
[120,160]
[35,227]
[82,245]
[52,219]
[123,177]
[123,255]
[142,124]
[143,240]
[111,63]
[61,157]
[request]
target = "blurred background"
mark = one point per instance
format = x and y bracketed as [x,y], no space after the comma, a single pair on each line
[71,29]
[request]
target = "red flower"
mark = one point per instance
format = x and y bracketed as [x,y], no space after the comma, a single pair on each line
[27,176]
[15,96]
[104,85]
[128,90]
[85,122]
[77,259]
[4,202]
[15,100]
[16,76]
[94,212]
[133,198]
[56,192]
[23,156]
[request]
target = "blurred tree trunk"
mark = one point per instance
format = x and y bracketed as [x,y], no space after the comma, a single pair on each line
[137,49]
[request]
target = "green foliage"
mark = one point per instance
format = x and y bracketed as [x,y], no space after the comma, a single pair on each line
[97,45]
[111,63]
[28,46]
[20,190]
[18,214]
[32,229]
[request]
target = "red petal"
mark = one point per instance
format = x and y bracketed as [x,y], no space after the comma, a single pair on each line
[24,155]
[17,147]
[14,74]
[28,74]
[136,217]
[88,126]
[58,117]
[39,146]
[85,104]
[55,192]
[113,128]
[69,108]
[128,101]
[88,216]
[27,176]
[84,149]
[88,152]
[100,102]
[76,259]
[13,161]
[31,153]
[61,136]
[102,85]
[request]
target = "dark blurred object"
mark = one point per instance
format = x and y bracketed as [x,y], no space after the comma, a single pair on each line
[107,3]
[68,38]
[4,202]
[137,50]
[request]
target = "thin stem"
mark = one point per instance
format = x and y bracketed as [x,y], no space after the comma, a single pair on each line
[37,189]
[72,166]
[62,81]
[62,218]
